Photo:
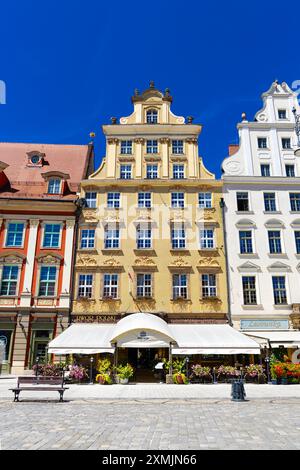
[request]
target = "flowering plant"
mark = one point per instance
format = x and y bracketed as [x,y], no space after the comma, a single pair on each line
[228,371]
[200,371]
[254,370]
[48,370]
[77,372]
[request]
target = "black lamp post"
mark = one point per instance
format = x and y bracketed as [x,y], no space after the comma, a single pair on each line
[187,360]
[91,370]
[37,360]
[267,361]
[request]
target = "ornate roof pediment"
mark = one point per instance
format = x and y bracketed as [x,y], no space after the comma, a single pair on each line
[85,260]
[49,258]
[249,267]
[208,263]
[279,266]
[12,258]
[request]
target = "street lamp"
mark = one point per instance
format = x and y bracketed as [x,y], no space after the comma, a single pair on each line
[37,360]
[187,360]
[267,361]
[91,370]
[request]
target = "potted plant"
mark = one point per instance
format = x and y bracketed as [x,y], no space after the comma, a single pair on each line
[77,373]
[202,373]
[178,366]
[225,373]
[104,368]
[124,373]
[255,373]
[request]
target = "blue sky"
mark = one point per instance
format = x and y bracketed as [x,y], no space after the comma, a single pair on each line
[71,65]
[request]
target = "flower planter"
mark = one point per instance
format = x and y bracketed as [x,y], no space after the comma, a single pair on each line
[284,381]
[124,381]
[274,381]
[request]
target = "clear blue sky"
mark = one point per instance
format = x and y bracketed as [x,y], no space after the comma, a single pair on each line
[71,65]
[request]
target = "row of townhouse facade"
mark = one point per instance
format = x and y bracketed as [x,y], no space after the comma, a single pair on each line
[153,231]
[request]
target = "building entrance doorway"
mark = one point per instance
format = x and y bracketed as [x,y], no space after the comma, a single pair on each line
[143,361]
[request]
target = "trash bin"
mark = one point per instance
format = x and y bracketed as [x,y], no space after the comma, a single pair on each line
[238,390]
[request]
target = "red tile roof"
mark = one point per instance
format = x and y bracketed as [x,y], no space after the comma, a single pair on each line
[27,181]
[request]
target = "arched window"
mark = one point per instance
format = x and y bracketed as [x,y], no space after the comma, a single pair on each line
[54,186]
[152,115]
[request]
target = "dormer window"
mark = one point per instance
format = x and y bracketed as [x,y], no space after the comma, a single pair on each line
[54,186]
[35,158]
[152,116]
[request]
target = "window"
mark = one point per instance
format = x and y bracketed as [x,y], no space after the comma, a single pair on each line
[286,143]
[152,146]
[144,200]
[47,281]
[54,186]
[265,170]
[249,290]
[262,142]
[290,170]
[179,286]
[246,241]
[91,200]
[126,147]
[144,285]
[152,116]
[87,238]
[125,172]
[178,237]
[205,200]
[112,238]
[270,202]
[85,285]
[152,172]
[178,172]
[9,280]
[295,202]
[15,234]
[177,146]
[209,286]
[51,236]
[143,238]
[274,241]
[177,200]
[113,200]
[281,113]
[110,286]
[279,290]
[207,238]
[242,202]
[297,241]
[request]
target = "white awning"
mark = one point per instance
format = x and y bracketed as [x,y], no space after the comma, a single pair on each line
[211,339]
[83,338]
[288,338]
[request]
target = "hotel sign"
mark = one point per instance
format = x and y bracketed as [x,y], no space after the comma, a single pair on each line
[264,324]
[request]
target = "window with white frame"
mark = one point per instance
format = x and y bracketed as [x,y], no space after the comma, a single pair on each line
[270,202]
[144,200]
[279,290]
[262,143]
[87,238]
[242,200]
[51,236]
[9,280]
[281,113]
[246,245]
[144,285]
[54,186]
[47,281]
[209,285]
[205,200]
[177,200]
[178,172]
[125,172]
[110,286]
[143,237]
[249,290]
[179,286]
[91,199]
[297,241]
[290,171]
[295,202]
[274,241]
[112,238]
[265,169]
[85,285]
[178,237]
[152,172]
[286,143]
[152,146]
[152,116]
[113,200]
[207,239]
[126,147]
[14,236]
[177,147]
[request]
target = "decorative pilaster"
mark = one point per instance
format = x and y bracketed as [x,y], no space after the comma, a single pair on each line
[26,294]
[66,280]
[111,157]
[138,157]
[164,141]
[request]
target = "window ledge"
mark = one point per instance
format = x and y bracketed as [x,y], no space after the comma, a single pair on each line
[180,299]
[110,299]
[248,255]
[282,306]
[85,299]
[277,255]
[252,307]
[272,212]
[210,299]
[88,250]
[178,250]
[294,212]
[244,212]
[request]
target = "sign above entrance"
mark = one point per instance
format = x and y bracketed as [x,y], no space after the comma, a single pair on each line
[264,324]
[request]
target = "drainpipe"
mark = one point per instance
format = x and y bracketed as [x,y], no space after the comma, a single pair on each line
[222,206]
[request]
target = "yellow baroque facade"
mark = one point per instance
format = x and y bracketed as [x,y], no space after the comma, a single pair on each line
[151,237]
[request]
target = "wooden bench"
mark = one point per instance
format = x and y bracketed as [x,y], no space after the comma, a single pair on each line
[40,383]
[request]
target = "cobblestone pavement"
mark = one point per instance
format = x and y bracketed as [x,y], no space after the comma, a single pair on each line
[152,424]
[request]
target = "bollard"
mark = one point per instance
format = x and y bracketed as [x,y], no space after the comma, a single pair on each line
[238,390]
